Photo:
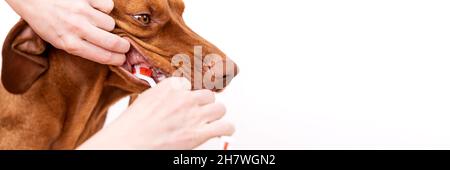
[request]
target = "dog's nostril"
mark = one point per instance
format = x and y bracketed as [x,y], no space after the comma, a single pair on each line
[228,77]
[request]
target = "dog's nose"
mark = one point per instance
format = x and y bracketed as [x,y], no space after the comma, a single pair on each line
[226,73]
[231,72]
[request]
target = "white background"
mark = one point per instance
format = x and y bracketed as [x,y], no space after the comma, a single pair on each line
[327,74]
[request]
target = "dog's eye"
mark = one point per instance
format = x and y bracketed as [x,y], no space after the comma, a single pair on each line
[143,18]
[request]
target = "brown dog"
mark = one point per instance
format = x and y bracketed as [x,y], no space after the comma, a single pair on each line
[53,100]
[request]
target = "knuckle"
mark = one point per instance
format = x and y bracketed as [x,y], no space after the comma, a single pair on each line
[73,24]
[80,7]
[59,43]
[70,44]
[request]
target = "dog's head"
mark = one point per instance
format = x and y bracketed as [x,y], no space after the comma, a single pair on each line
[160,40]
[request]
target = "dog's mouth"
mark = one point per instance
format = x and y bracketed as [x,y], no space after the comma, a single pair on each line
[140,68]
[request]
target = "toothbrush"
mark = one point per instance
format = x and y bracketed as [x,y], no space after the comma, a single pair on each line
[226,140]
[145,74]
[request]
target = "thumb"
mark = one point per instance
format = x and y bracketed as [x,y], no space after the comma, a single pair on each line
[178,83]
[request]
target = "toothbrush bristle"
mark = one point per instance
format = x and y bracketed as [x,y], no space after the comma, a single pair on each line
[146,71]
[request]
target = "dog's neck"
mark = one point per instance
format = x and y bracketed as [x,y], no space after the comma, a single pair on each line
[85,90]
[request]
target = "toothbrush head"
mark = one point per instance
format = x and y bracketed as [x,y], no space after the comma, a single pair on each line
[145,74]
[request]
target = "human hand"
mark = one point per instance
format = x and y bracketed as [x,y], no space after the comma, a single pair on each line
[79,27]
[169,116]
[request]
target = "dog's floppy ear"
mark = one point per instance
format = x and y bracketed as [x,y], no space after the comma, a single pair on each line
[24,60]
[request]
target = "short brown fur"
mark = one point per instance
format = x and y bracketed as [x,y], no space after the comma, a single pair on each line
[50,99]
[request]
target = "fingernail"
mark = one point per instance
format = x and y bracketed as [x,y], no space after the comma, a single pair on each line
[124,45]
[127,45]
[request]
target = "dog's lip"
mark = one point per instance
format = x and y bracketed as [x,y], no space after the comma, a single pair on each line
[142,60]
[134,78]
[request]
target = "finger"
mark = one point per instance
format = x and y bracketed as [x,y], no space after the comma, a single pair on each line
[178,83]
[216,129]
[204,97]
[92,52]
[101,20]
[105,6]
[100,55]
[105,39]
[212,112]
